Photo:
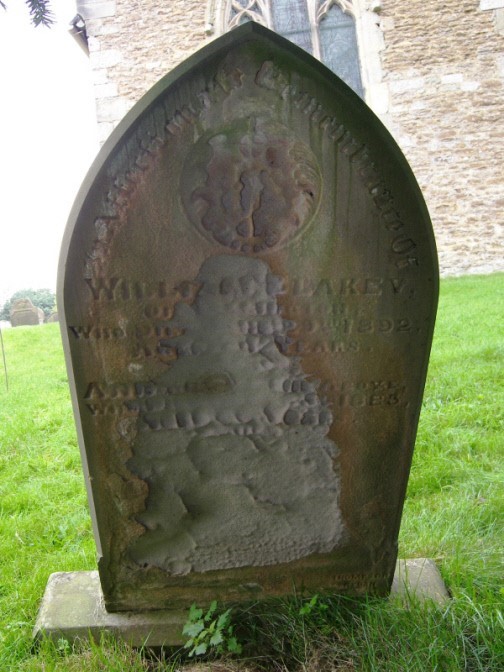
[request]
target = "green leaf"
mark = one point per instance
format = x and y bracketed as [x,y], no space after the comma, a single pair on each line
[205,632]
[193,629]
[194,613]
[233,645]
[224,619]
[211,610]
[201,649]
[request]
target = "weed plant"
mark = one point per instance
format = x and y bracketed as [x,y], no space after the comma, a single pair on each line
[453,513]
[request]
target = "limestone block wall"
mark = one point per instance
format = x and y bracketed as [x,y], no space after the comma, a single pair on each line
[444,65]
[132,44]
[438,84]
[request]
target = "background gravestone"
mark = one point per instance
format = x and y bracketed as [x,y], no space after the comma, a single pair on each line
[247,286]
[23,313]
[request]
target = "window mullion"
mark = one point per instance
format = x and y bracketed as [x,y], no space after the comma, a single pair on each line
[314,28]
[265,6]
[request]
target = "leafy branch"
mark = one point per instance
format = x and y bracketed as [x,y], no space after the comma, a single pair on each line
[210,632]
[40,12]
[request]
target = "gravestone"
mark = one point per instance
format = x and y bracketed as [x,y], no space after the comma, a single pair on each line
[24,313]
[53,317]
[247,293]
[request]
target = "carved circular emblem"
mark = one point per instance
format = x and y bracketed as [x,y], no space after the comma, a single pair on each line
[250,186]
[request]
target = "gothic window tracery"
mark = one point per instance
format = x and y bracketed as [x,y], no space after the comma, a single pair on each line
[324,28]
[239,11]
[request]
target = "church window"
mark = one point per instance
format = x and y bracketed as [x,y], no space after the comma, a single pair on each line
[324,28]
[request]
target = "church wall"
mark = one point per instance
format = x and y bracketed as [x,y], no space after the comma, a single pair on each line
[134,45]
[444,65]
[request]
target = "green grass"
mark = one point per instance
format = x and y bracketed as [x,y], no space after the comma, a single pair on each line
[454,513]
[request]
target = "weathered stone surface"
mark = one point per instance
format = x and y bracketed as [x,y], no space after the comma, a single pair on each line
[419,578]
[24,313]
[249,285]
[73,607]
[53,317]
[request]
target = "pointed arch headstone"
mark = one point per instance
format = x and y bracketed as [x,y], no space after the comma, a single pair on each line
[247,287]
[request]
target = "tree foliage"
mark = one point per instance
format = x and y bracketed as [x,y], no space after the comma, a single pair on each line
[40,12]
[42,298]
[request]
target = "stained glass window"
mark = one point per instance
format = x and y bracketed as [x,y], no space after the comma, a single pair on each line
[338,47]
[290,19]
[324,28]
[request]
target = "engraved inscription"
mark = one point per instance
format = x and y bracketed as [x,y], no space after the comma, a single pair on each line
[95,333]
[371,393]
[347,286]
[103,399]
[359,325]
[121,289]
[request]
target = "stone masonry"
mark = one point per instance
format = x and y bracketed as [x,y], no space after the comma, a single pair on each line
[442,81]
[132,44]
[445,74]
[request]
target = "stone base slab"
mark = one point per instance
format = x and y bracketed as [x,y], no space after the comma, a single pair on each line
[73,607]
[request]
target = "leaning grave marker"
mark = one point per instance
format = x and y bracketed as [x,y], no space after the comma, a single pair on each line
[248,286]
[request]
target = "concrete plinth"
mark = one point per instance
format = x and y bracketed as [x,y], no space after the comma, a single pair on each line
[73,607]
